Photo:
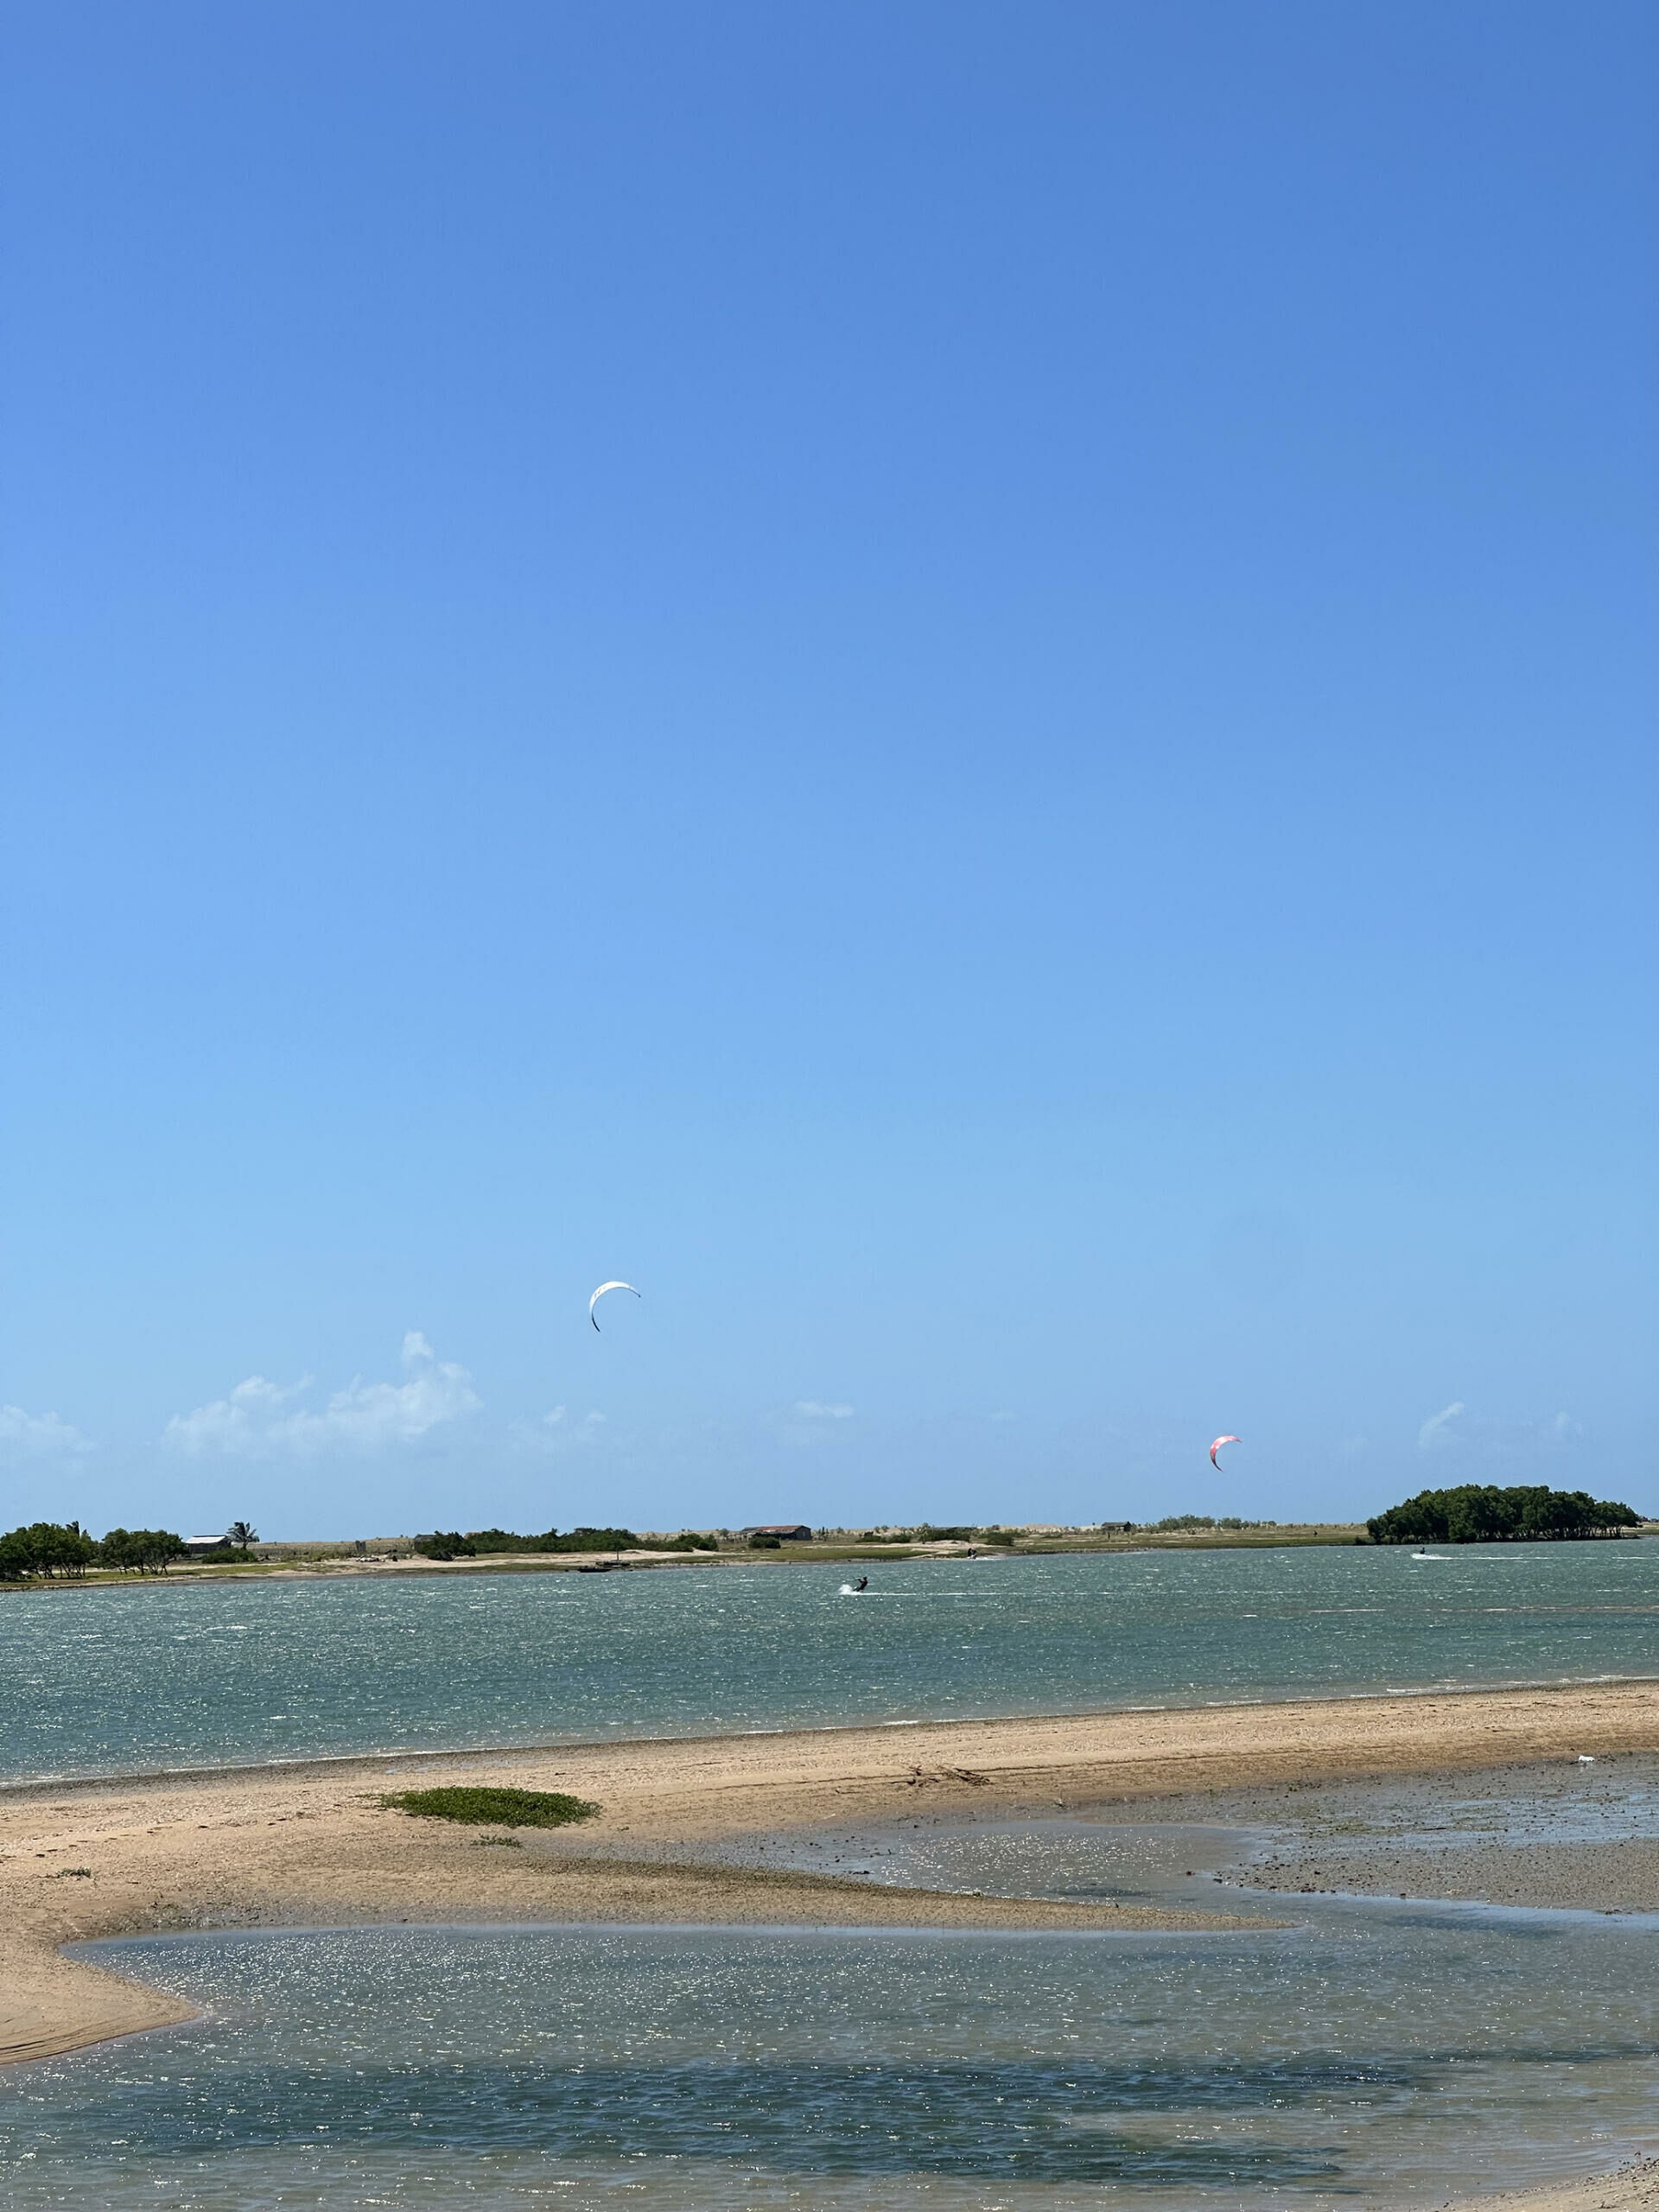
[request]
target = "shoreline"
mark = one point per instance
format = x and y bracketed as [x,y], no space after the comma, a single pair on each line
[449,1755]
[310,1845]
[1631,2186]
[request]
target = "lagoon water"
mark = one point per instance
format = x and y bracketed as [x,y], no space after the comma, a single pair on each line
[1383,2056]
[113,1680]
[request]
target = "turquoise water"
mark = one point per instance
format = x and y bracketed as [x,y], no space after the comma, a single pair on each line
[169,1674]
[1387,2057]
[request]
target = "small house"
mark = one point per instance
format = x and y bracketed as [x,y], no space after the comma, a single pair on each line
[787,1532]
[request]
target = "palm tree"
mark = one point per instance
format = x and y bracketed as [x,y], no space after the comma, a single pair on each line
[240,1535]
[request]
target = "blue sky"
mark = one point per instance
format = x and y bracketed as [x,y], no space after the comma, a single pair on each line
[970,689]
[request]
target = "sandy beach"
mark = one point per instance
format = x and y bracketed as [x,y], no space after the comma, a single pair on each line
[1632,2187]
[313,1845]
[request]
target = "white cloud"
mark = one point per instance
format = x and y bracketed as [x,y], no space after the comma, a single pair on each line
[815,1410]
[1512,1440]
[254,1422]
[555,1431]
[1434,1429]
[39,1436]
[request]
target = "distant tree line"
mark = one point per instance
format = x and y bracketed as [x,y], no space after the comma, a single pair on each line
[480,1543]
[1478,1513]
[927,1533]
[53,1549]
[1176,1523]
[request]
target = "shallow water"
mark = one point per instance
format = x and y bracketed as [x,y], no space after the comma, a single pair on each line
[1380,2057]
[169,1675]
[1141,1853]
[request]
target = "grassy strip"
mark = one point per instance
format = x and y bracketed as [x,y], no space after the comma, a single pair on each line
[486,1808]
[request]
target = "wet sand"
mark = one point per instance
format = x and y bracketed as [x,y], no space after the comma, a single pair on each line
[312,1846]
[1563,1834]
[1633,2188]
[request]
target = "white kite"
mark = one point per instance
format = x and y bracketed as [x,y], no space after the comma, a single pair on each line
[1215,1447]
[599,1294]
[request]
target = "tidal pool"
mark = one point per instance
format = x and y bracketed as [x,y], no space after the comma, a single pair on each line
[1380,2056]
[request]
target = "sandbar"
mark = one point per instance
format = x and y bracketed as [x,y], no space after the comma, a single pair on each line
[312,1844]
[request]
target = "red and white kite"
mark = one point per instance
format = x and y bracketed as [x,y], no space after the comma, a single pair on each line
[1215,1447]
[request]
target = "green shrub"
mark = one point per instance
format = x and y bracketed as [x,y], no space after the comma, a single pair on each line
[482,1806]
[601,1539]
[483,1540]
[762,1543]
[485,1544]
[440,1545]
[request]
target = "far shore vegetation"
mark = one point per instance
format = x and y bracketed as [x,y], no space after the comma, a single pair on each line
[483,1543]
[53,1547]
[1480,1513]
[47,1552]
